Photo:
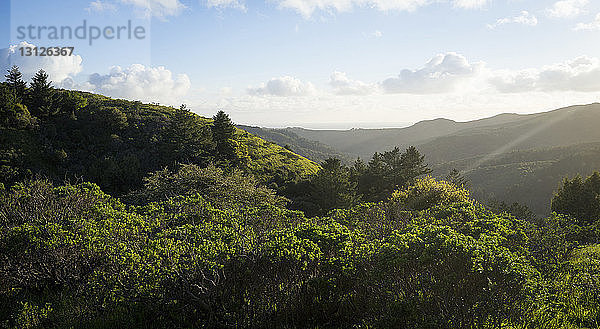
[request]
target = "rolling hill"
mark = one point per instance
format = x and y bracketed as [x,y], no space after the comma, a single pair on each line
[116,143]
[511,157]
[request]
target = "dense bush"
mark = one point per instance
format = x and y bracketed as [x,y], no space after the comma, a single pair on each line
[184,243]
[73,256]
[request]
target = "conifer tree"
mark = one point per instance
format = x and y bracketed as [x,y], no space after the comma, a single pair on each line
[223,133]
[579,198]
[14,79]
[455,178]
[40,94]
[332,187]
[413,165]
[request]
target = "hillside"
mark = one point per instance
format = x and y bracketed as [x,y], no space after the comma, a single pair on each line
[364,142]
[116,143]
[209,226]
[517,158]
[313,150]
[529,177]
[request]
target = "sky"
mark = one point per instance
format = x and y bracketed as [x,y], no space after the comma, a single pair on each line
[318,63]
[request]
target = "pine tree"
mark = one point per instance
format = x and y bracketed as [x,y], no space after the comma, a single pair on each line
[413,165]
[40,94]
[579,198]
[7,104]
[14,79]
[332,187]
[455,178]
[223,133]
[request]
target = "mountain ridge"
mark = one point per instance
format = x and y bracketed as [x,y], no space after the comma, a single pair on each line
[500,154]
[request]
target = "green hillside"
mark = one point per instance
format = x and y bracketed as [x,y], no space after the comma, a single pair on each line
[313,150]
[116,143]
[509,157]
[118,214]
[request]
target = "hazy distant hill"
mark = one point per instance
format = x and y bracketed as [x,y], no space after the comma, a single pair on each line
[528,176]
[563,127]
[509,156]
[364,142]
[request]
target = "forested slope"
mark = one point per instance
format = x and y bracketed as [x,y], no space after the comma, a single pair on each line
[116,143]
[509,157]
[207,226]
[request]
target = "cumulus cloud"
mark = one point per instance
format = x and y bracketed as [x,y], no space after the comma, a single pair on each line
[567,8]
[524,18]
[443,73]
[342,85]
[581,74]
[140,82]
[283,86]
[101,6]
[470,4]
[592,26]
[163,8]
[238,4]
[308,7]
[59,68]
[157,8]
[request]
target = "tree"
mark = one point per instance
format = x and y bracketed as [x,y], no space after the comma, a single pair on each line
[389,171]
[223,133]
[516,209]
[7,104]
[223,190]
[70,102]
[12,113]
[14,79]
[41,92]
[579,198]
[456,178]
[331,188]
[357,170]
[413,165]
[186,139]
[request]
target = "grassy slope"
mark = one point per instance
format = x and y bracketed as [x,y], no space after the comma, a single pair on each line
[313,150]
[267,157]
[89,143]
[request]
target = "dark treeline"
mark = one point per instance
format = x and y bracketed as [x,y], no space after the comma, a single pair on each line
[117,214]
[337,186]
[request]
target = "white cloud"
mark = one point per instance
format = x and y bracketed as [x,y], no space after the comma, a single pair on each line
[377,34]
[163,8]
[524,18]
[58,68]
[342,85]
[581,74]
[157,8]
[443,73]
[447,86]
[592,26]
[307,7]
[101,6]
[470,4]
[238,4]
[567,8]
[140,82]
[283,86]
